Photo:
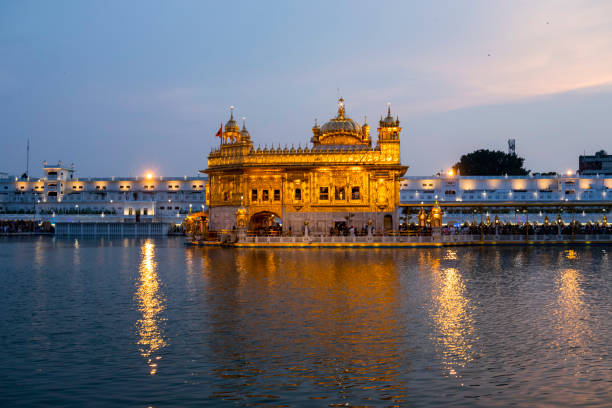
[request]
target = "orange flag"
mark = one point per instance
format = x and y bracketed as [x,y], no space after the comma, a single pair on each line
[220,131]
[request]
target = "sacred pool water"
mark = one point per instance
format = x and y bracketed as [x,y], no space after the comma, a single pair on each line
[142,322]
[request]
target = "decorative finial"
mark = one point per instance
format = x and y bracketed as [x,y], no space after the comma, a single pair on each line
[388,108]
[365,119]
[316,124]
[232,112]
[341,108]
[243,123]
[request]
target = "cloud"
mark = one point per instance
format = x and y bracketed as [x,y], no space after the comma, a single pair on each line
[506,53]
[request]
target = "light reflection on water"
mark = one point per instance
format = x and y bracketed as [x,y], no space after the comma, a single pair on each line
[151,305]
[573,320]
[307,320]
[453,319]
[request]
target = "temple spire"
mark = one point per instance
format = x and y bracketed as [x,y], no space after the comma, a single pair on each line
[389,109]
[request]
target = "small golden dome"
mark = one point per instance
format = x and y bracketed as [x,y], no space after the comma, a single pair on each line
[389,121]
[231,125]
[244,133]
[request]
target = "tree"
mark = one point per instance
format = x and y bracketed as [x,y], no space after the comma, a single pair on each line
[485,162]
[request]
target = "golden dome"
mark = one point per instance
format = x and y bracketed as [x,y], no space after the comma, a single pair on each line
[341,130]
[231,125]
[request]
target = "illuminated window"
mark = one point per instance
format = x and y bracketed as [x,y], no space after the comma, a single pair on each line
[276,195]
[340,193]
[355,193]
[145,211]
[323,193]
[264,195]
[298,194]
[226,196]
[254,195]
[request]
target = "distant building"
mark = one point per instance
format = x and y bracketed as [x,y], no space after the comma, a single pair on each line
[60,194]
[465,198]
[600,163]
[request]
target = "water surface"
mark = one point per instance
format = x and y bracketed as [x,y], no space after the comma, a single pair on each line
[130,322]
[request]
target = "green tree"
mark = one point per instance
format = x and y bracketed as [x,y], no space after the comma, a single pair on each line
[485,162]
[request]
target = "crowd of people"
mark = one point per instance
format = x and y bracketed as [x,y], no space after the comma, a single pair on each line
[342,229]
[528,229]
[20,227]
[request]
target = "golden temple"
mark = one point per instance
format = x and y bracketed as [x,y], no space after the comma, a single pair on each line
[340,179]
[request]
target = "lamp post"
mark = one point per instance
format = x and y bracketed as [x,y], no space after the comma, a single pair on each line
[526,223]
[516,210]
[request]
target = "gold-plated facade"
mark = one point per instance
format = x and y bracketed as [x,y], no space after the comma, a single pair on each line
[340,178]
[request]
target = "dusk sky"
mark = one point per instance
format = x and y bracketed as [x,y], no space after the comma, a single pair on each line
[122,87]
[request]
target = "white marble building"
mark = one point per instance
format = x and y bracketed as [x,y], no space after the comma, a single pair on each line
[59,193]
[583,198]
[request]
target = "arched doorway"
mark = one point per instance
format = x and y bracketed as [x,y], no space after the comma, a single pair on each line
[265,223]
[388,222]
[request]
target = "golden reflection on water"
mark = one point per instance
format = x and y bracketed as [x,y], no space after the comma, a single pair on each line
[150,305]
[452,316]
[572,313]
[571,254]
[450,255]
[338,310]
